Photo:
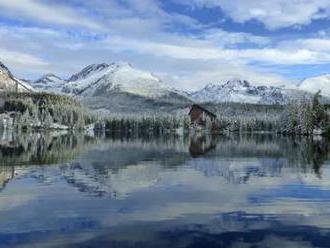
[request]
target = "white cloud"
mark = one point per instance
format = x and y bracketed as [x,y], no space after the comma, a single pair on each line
[274,14]
[141,32]
[314,44]
[22,61]
[46,12]
[222,72]
[223,38]
[206,50]
[64,51]
[186,62]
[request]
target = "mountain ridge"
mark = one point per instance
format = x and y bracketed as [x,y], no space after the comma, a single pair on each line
[100,78]
[242,91]
[105,80]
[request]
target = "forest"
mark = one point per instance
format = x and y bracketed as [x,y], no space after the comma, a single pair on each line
[43,110]
[306,116]
[46,111]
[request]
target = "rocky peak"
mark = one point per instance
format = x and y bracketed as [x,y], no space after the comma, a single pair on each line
[4,69]
[237,83]
[48,78]
[9,83]
[88,70]
[50,75]
[121,64]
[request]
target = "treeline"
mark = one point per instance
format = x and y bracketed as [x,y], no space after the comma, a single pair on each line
[245,117]
[307,116]
[165,124]
[42,110]
[304,117]
[248,123]
[144,124]
[230,117]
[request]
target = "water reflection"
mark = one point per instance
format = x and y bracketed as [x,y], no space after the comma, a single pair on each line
[6,174]
[17,148]
[128,191]
[201,144]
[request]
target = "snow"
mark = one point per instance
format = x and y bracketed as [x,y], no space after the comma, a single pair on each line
[238,91]
[101,78]
[121,77]
[137,82]
[24,85]
[315,84]
[49,83]
[9,82]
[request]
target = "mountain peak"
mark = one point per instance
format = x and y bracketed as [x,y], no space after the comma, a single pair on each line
[49,76]
[231,85]
[88,70]
[48,79]
[235,83]
[9,83]
[121,64]
[238,90]
[4,69]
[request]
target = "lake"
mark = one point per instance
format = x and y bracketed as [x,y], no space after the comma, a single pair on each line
[83,190]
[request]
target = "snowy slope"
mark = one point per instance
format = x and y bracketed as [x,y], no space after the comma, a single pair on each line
[102,79]
[239,91]
[10,83]
[104,84]
[242,91]
[314,84]
[116,87]
[96,80]
[49,83]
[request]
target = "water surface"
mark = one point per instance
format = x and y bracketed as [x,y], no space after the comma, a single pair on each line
[77,190]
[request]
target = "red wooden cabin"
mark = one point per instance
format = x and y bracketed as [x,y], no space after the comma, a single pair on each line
[200,116]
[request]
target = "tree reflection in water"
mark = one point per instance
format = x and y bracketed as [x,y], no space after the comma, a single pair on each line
[103,157]
[163,191]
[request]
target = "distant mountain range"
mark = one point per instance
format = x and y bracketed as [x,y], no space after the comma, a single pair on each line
[243,92]
[120,87]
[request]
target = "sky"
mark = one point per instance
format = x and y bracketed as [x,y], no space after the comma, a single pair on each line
[187,43]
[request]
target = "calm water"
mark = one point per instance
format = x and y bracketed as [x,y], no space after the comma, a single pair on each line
[65,190]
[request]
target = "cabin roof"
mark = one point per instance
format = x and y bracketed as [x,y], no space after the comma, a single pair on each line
[203,109]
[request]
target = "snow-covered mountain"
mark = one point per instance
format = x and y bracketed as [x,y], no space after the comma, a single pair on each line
[99,80]
[9,83]
[119,84]
[49,83]
[102,79]
[314,84]
[243,92]
[116,87]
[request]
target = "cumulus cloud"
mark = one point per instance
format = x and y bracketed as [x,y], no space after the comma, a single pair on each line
[22,61]
[180,48]
[220,73]
[314,44]
[46,12]
[274,14]
[210,51]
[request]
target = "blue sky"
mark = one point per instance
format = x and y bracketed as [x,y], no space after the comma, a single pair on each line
[188,43]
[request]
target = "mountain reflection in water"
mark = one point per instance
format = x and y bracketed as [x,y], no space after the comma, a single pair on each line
[69,189]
